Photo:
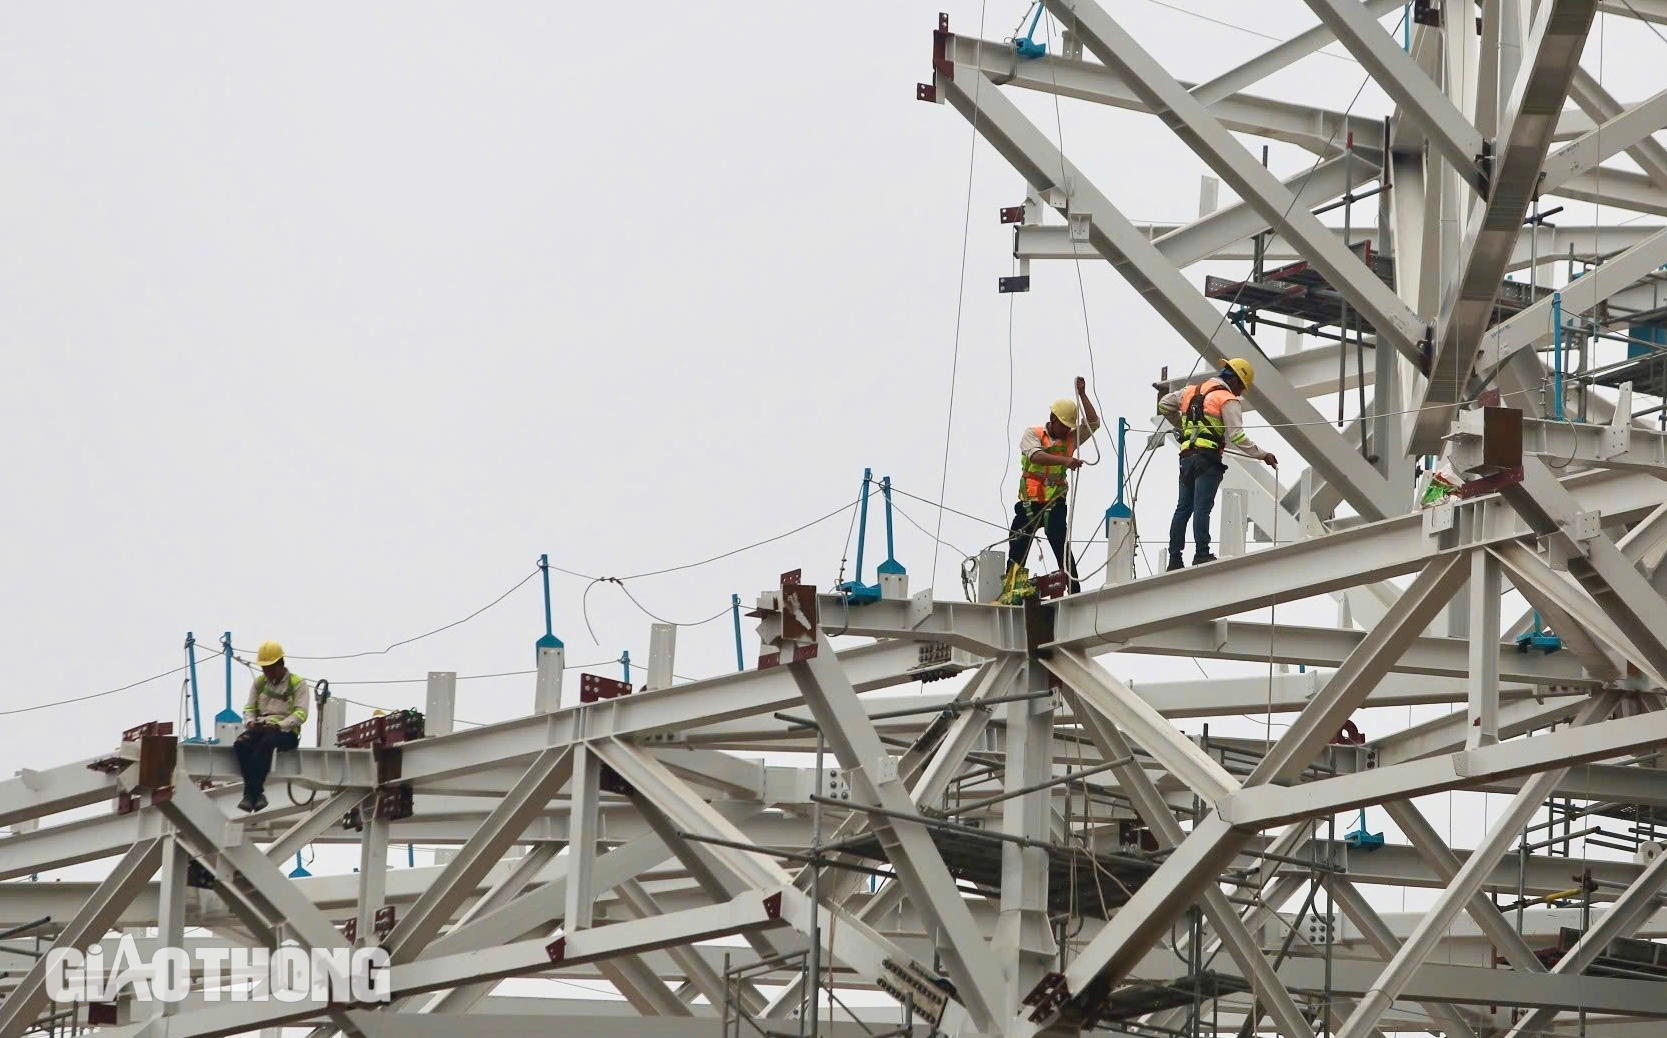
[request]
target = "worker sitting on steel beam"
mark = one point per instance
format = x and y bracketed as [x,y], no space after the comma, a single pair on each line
[1046,454]
[272,721]
[1209,416]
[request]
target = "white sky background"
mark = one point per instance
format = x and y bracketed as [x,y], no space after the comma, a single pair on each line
[320,322]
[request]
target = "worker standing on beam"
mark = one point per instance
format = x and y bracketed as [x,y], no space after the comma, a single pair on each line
[1209,416]
[272,719]
[1047,453]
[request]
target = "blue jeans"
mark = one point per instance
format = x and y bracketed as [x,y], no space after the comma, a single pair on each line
[1201,473]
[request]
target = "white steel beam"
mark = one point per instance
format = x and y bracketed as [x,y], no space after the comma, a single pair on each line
[1622,918]
[1628,128]
[663,795]
[659,712]
[464,873]
[242,873]
[1327,647]
[1435,852]
[1484,637]
[373,877]
[1532,328]
[1348,688]
[1644,10]
[1103,692]
[1608,576]
[1280,56]
[645,991]
[1213,143]
[1435,981]
[1023,929]
[931,765]
[1258,807]
[25,1001]
[705,979]
[1170,293]
[749,912]
[1386,944]
[1558,35]
[1186,872]
[1447,734]
[1581,624]
[1154,811]
[1545,244]
[908,845]
[1617,188]
[1400,77]
[586,772]
[1208,235]
[315,823]
[1366,603]
[1466,884]
[1371,552]
[1319,131]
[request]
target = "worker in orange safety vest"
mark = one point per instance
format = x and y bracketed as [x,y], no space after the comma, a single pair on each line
[1047,453]
[1208,416]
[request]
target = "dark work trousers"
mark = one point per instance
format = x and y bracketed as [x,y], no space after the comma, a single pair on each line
[254,755]
[1027,516]
[1201,473]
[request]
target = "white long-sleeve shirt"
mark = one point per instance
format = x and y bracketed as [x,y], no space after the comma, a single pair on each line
[1232,418]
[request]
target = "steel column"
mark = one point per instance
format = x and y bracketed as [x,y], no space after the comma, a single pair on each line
[29,997]
[921,870]
[1171,294]
[1465,886]
[1484,649]
[1212,142]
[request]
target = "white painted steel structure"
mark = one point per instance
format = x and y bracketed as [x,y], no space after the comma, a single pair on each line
[1041,848]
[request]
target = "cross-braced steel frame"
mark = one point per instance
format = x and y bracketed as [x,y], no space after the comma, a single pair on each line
[1041,848]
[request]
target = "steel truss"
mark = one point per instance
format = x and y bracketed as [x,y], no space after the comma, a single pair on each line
[1039,847]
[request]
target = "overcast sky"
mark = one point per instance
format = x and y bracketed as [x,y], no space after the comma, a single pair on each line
[321,322]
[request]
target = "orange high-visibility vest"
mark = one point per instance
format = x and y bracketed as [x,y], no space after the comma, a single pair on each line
[1043,483]
[1202,427]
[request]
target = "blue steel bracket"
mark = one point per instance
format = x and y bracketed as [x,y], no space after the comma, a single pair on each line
[859,594]
[1539,641]
[1360,838]
[1026,45]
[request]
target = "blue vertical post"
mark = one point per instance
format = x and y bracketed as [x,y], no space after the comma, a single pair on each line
[625,658]
[854,590]
[300,870]
[1119,509]
[196,702]
[1557,354]
[229,715]
[862,522]
[411,855]
[735,613]
[549,641]
[890,567]
[885,493]
[1406,28]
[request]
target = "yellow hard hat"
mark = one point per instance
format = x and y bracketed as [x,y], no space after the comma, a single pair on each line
[270,653]
[1066,411]
[1242,368]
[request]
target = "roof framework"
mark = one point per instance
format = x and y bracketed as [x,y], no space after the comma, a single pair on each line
[1042,849]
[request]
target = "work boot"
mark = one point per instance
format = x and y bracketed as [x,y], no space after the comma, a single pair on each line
[1199,560]
[260,803]
[245,804]
[1175,563]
